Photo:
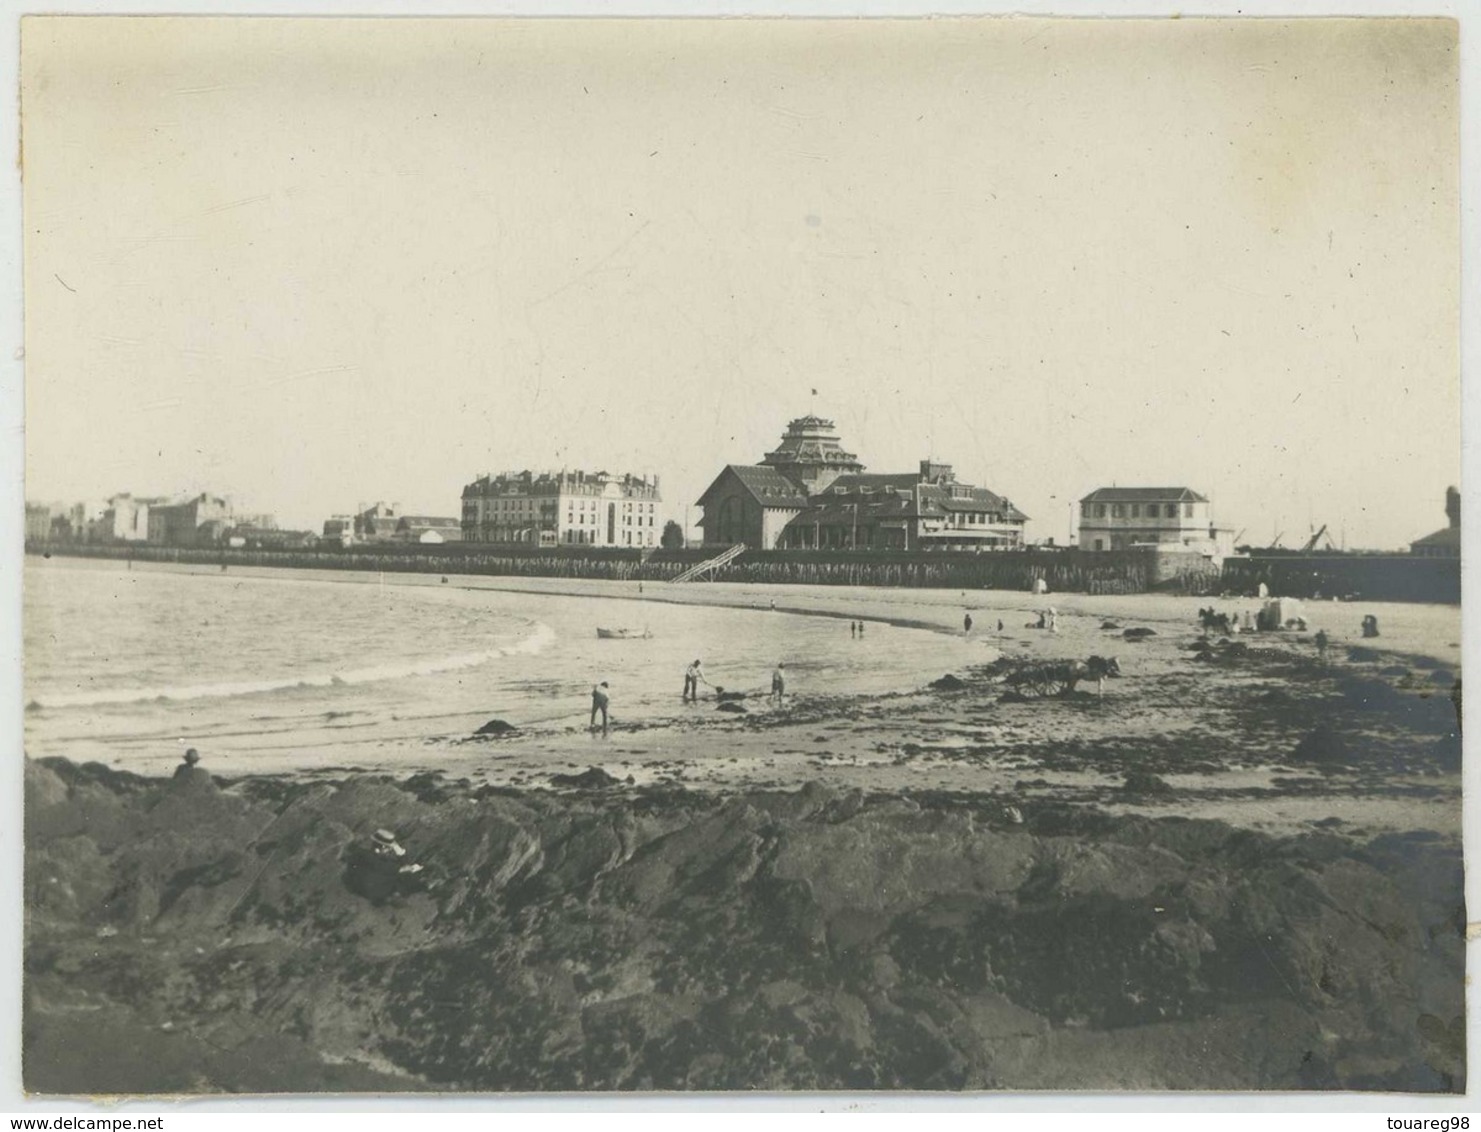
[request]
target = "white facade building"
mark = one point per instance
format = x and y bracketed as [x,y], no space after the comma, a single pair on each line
[563,509]
[1167,518]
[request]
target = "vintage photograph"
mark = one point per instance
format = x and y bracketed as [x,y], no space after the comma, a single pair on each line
[628,555]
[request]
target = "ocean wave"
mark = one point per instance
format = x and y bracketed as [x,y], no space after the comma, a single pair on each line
[538,639]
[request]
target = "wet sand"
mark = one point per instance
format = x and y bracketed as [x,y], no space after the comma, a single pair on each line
[1222,735]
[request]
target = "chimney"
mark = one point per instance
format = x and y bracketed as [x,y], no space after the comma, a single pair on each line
[1452,507]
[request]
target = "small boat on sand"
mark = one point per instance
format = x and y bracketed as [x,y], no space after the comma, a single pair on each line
[623,635]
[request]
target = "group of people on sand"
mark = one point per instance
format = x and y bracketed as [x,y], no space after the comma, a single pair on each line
[694,676]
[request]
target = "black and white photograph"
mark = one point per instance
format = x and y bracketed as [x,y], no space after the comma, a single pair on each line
[1030,448]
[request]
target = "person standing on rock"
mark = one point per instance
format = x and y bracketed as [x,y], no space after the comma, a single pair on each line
[779,682]
[599,702]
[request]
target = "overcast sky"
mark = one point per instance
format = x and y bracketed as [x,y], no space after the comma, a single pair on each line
[313,264]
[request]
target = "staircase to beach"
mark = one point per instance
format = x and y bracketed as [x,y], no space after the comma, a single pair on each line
[710,565]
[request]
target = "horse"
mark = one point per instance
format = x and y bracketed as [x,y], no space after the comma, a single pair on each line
[1064,675]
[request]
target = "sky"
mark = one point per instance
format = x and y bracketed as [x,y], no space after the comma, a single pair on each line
[313,264]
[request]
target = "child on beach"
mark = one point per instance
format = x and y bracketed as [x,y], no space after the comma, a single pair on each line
[779,682]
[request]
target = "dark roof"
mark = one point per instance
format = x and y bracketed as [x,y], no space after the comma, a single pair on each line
[767,485]
[1444,537]
[877,481]
[428,521]
[939,498]
[1144,495]
[934,498]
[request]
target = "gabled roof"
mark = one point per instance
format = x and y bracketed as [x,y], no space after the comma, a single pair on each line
[1444,537]
[766,485]
[938,498]
[1144,495]
[876,481]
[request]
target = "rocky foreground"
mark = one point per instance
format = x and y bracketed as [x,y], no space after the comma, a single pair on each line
[193,936]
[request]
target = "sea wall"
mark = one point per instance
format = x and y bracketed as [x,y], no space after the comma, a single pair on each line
[1068,570]
[1367,577]
[1064,571]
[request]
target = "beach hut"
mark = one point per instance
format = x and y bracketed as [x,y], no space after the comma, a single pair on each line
[1279,612]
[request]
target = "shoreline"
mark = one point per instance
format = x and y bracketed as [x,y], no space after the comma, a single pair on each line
[1206,725]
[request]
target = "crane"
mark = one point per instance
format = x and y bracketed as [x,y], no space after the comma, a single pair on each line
[1314,539]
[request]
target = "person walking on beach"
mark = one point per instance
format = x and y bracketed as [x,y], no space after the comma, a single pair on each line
[599,701]
[853,629]
[1321,644]
[779,682]
[693,676]
[967,624]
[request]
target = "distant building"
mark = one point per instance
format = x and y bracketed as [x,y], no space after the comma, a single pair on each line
[428,529]
[126,519]
[378,523]
[202,519]
[811,493]
[249,536]
[562,509]
[38,522]
[1122,518]
[928,510]
[1444,543]
[751,504]
[340,529]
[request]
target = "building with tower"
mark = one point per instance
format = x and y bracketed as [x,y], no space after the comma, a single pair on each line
[1444,543]
[809,493]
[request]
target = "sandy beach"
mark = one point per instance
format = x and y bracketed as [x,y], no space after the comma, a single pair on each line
[892,888]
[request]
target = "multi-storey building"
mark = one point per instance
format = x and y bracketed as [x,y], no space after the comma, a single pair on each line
[202,518]
[126,519]
[810,493]
[339,529]
[38,522]
[1122,518]
[562,509]
[378,523]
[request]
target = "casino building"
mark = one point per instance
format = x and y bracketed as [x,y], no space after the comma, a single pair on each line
[811,493]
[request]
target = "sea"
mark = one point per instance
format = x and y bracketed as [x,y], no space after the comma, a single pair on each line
[278,669]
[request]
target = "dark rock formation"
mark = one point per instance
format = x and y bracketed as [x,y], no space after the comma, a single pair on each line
[497,729]
[670,940]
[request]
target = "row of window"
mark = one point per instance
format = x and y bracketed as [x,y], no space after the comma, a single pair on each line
[629,538]
[1118,510]
[528,504]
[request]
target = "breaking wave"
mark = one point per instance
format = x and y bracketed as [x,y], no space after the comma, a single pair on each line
[539,639]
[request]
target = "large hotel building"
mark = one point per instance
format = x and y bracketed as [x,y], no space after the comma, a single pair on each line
[562,509]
